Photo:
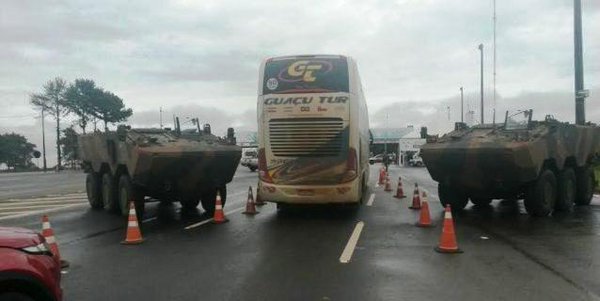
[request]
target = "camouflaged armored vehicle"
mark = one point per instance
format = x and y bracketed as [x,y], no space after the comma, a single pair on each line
[130,164]
[548,163]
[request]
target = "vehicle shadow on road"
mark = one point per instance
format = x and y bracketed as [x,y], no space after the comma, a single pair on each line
[318,212]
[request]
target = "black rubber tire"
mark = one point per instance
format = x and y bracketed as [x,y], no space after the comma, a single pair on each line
[189,203]
[480,201]
[209,198]
[128,193]
[541,195]
[585,186]
[453,197]
[252,169]
[14,296]
[93,188]
[567,190]
[109,193]
[371,162]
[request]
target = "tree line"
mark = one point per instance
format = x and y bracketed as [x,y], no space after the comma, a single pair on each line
[83,99]
[15,151]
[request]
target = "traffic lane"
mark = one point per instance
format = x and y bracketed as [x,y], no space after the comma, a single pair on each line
[257,257]
[80,222]
[565,244]
[38,184]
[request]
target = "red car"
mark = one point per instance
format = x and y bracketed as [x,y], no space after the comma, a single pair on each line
[28,270]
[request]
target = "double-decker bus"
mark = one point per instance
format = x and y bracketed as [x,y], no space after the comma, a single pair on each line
[313,130]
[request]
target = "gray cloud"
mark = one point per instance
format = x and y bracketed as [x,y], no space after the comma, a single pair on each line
[203,56]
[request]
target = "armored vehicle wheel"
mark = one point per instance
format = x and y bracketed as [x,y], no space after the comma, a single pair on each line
[189,203]
[209,198]
[585,186]
[128,193]
[94,190]
[541,195]
[567,190]
[452,196]
[480,201]
[109,192]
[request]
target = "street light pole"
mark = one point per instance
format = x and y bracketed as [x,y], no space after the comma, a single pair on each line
[580,93]
[481,84]
[43,141]
[462,106]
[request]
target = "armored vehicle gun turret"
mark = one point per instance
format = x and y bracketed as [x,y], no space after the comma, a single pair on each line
[130,164]
[548,163]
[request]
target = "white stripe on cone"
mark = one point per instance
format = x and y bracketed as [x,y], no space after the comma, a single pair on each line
[50,239]
[45,225]
[132,224]
[447,215]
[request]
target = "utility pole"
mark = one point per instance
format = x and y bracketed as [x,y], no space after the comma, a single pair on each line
[494,96]
[580,93]
[481,84]
[387,116]
[462,106]
[160,118]
[43,141]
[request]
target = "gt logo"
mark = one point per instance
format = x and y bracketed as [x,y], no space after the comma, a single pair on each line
[304,69]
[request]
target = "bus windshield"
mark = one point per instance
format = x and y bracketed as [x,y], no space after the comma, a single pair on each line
[306,75]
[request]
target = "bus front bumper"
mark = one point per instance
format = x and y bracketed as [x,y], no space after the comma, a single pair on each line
[310,194]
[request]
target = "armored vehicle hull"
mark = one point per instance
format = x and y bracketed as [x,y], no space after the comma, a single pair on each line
[548,163]
[131,165]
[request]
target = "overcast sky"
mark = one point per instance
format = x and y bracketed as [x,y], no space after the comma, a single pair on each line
[201,58]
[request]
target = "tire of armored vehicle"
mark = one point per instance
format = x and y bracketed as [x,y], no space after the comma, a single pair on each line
[547,163]
[132,164]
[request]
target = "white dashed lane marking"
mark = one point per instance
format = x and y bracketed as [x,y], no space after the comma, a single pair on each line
[371,200]
[351,245]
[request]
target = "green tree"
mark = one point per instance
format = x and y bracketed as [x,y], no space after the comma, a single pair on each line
[52,100]
[90,103]
[15,151]
[80,98]
[110,109]
[70,147]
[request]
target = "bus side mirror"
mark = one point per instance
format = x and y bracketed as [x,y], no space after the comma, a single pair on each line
[370,138]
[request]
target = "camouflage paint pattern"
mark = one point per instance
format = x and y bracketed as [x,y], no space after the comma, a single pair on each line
[160,162]
[494,162]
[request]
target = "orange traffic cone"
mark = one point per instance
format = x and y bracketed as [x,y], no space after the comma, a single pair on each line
[399,190]
[250,208]
[425,218]
[219,216]
[448,238]
[416,201]
[259,201]
[388,186]
[48,234]
[382,175]
[134,235]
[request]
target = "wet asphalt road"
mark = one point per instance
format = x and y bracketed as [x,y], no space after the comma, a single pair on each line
[294,254]
[38,184]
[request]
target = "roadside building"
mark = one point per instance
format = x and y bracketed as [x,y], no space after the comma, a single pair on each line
[403,142]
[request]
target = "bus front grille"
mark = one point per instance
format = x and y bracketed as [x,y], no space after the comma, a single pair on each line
[307,137]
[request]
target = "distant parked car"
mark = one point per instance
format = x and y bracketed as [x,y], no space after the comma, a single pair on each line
[28,270]
[250,158]
[416,160]
[376,159]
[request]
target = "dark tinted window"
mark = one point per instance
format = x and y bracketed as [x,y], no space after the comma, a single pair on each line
[306,75]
